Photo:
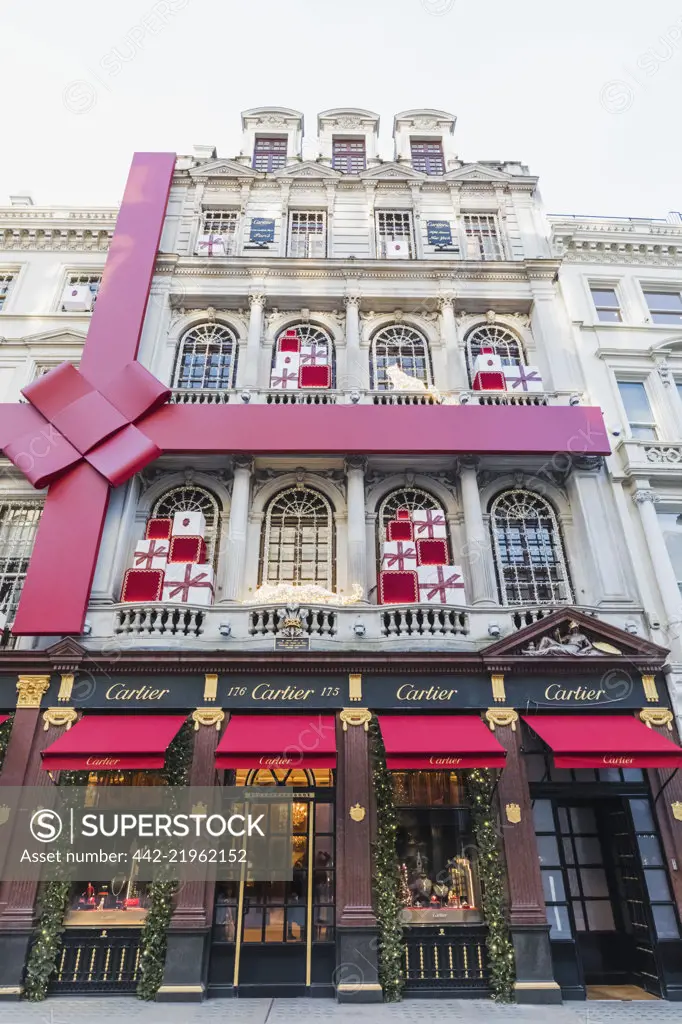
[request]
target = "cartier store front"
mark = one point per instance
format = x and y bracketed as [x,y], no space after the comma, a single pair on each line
[580,755]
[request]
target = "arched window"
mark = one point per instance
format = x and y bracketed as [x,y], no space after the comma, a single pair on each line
[407,497]
[18,524]
[207,358]
[311,335]
[402,346]
[298,539]
[189,498]
[507,346]
[529,555]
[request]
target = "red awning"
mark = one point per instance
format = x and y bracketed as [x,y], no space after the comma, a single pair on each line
[604,741]
[113,743]
[278,741]
[439,743]
[3,719]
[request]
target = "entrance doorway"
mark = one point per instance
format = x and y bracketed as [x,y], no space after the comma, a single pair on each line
[275,939]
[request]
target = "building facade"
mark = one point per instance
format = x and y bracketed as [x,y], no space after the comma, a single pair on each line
[367,402]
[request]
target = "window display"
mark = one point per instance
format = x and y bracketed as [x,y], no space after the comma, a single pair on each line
[436,850]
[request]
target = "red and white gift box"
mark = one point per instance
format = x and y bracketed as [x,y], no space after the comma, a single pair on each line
[441,584]
[142,585]
[315,377]
[284,373]
[151,554]
[400,529]
[432,552]
[398,587]
[159,529]
[187,583]
[211,245]
[487,360]
[490,380]
[399,554]
[289,342]
[403,513]
[77,298]
[187,549]
[314,353]
[523,378]
[429,524]
[189,524]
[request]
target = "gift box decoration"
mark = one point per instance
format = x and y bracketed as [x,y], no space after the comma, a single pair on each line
[159,529]
[188,549]
[403,513]
[142,585]
[492,380]
[400,529]
[399,554]
[314,353]
[441,584]
[429,524]
[211,245]
[189,524]
[315,377]
[523,378]
[284,374]
[432,552]
[187,583]
[398,587]
[487,360]
[289,342]
[151,554]
[77,298]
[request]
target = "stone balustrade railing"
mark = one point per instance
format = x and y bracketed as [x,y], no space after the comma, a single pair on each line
[270,396]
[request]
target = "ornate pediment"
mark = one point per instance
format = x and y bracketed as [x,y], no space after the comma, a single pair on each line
[572,635]
[66,336]
[309,169]
[66,651]
[478,172]
[224,169]
[391,172]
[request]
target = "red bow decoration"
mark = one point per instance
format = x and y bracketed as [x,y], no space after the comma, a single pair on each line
[72,421]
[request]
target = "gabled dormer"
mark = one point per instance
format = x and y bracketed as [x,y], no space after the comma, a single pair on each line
[348,139]
[425,139]
[271,137]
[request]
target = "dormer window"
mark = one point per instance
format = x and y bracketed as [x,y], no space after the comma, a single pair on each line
[269,154]
[427,157]
[348,155]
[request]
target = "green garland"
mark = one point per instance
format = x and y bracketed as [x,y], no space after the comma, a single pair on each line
[480,785]
[153,940]
[386,875]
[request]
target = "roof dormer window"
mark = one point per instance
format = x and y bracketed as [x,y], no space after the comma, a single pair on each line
[427,157]
[269,154]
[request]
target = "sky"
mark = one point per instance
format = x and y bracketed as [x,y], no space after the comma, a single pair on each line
[586,93]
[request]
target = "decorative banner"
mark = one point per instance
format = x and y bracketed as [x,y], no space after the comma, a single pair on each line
[439,232]
[262,230]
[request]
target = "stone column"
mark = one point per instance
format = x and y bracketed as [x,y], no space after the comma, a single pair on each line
[527,913]
[551,327]
[22,767]
[646,501]
[249,371]
[479,556]
[357,968]
[189,934]
[448,332]
[355,467]
[356,368]
[235,550]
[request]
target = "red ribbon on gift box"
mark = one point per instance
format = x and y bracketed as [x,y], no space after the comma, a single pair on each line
[523,378]
[143,559]
[433,519]
[183,587]
[281,382]
[313,351]
[398,560]
[212,240]
[441,586]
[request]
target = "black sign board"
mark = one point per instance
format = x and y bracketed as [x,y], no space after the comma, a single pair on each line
[439,232]
[262,230]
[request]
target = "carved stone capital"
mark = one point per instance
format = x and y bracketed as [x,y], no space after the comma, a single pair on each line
[355,462]
[501,717]
[208,716]
[243,462]
[256,299]
[355,716]
[352,299]
[31,690]
[657,716]
[588,462]
[59,717]
[469,462]
[642,497]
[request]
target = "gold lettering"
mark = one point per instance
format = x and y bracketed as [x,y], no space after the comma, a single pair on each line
[556,692]
[408,692]
[102,762]
[618,760]
[118,692]
[445,762]
[275,762]
[264,692]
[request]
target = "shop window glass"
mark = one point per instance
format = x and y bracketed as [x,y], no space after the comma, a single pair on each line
[569,855]
[665,922]
[583,819]
[650,850]
[609,774]
[438,876]
[633,775]
[573,881]
[594,882]
[535,767]
[578,916]
[553,886]
[548,850]
[558,920]
[657,884]
[641,816]
[599,916]
[588,850]
[542,816]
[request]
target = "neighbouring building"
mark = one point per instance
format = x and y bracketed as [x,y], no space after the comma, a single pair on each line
[330,504]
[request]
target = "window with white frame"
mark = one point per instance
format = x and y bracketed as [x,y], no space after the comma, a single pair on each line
[316,341]
[348,155]
[297,545]
[220,224]
[307,234]
[483,237]
[402,346]
[638,410]
[207,358]
[190,498]
[529,555]
[91,281]
[394,233]
[664,307]
[6,282]
[503,341]
[412,498]
[18,525]
[671,525]
[606,304]
[269,154]
[427,157]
